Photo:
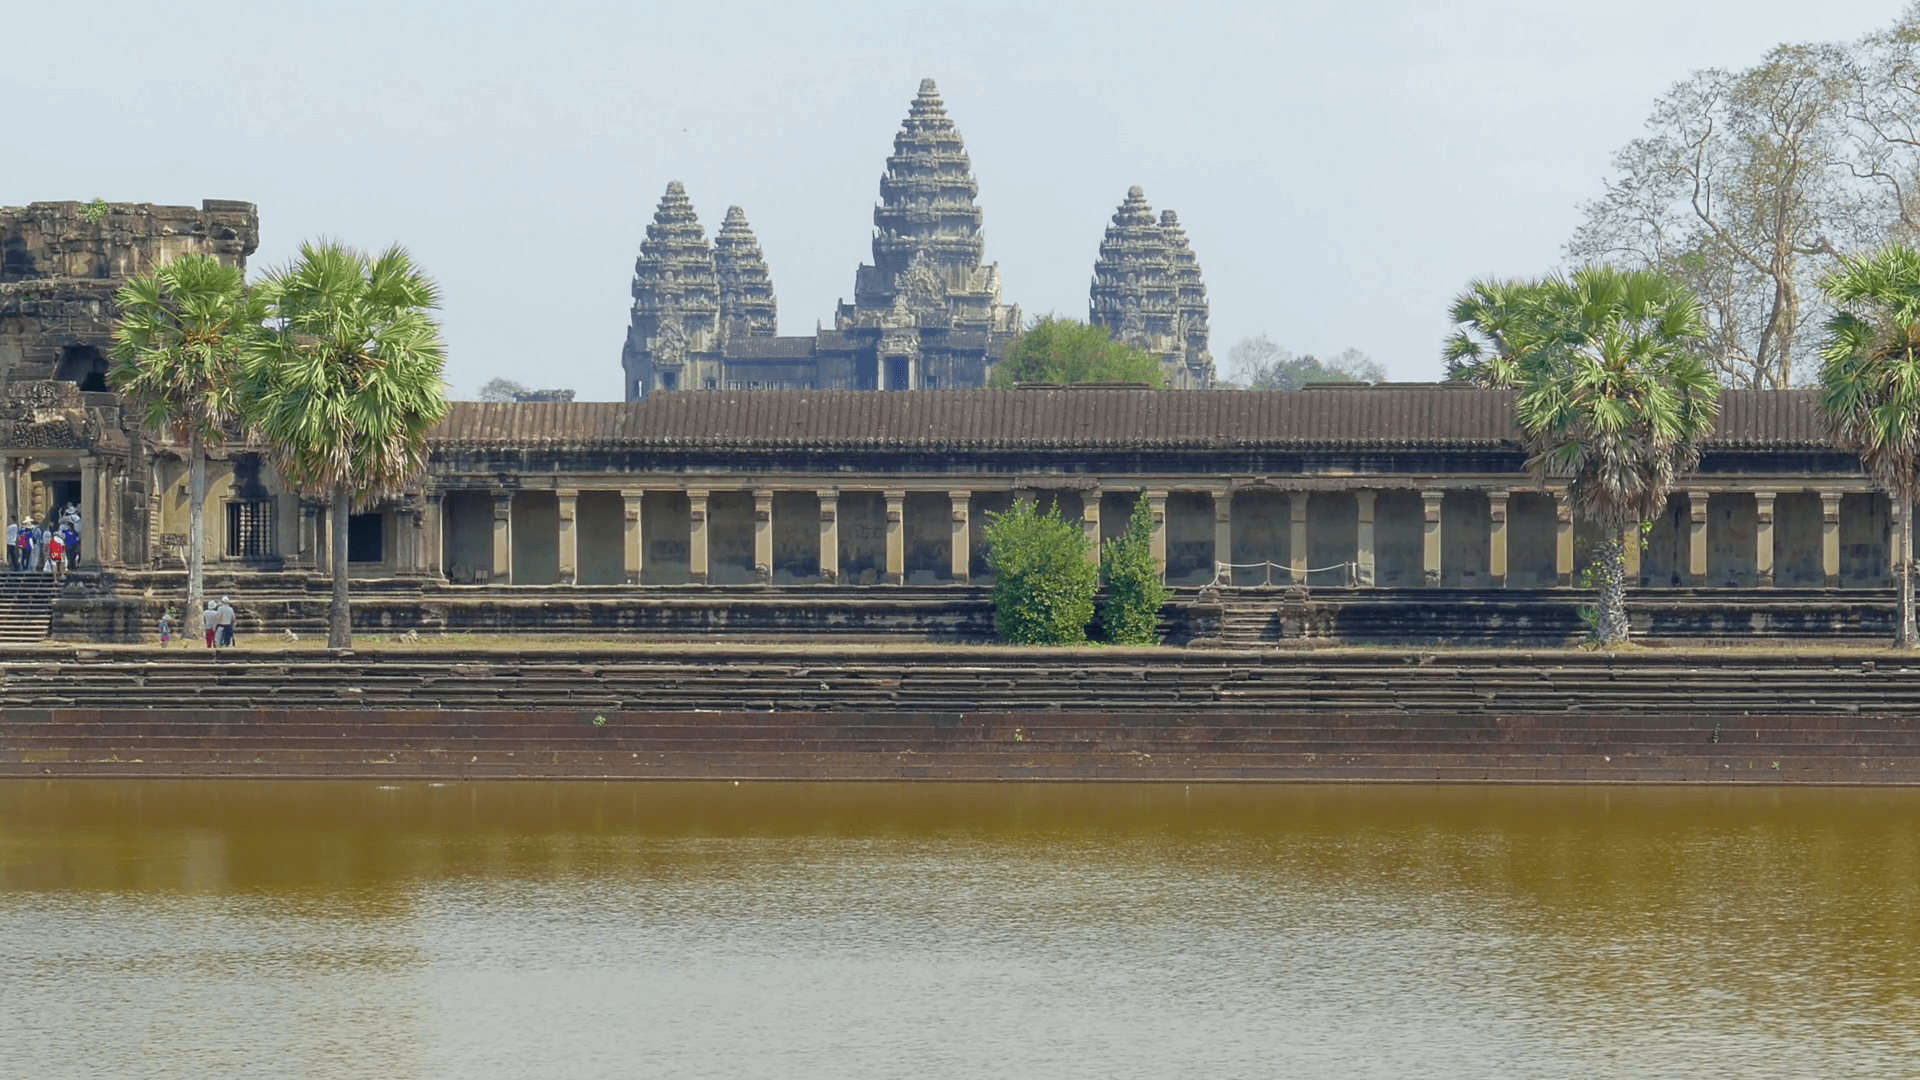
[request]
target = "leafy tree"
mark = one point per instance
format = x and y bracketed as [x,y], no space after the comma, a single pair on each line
[501,389]
[1493,326]
[1870,386]
[345,384]
[1614,401]
[1043,579]
[1135,593]
[1256,363]
[1065,351]
[176,354]
[1741,189]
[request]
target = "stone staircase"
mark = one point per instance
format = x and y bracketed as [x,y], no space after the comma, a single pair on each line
[26,607]
[975,714]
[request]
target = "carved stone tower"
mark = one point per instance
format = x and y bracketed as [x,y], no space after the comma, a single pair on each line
[927,240]
[747,306]
[1148,292]
[674,338]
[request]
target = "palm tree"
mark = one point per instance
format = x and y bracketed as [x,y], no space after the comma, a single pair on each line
[176,354]
[1494,327]
[1614,401]
[345,384]
[1870,387]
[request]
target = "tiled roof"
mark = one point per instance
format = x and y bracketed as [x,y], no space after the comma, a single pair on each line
[1383,417]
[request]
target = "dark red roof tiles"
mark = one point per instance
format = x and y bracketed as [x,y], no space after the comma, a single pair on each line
[1381,417]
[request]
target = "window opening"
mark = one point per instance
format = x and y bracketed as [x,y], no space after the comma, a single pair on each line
[250,529]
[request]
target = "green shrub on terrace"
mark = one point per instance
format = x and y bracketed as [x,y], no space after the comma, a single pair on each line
[1044,580]
[1135,592]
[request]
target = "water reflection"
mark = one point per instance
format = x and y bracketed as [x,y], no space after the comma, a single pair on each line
[564,929]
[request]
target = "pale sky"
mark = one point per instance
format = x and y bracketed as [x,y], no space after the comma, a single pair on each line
[1342,168]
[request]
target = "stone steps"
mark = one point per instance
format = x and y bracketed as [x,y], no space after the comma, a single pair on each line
[26,606]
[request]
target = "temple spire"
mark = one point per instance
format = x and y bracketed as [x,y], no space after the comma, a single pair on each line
[676,298]
[926,196]
[1147,290]
[747,305]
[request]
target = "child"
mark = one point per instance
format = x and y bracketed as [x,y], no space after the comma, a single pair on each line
[166,628]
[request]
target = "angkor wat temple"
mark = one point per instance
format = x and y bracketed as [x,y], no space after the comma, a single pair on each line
[926,314]
[1392,513]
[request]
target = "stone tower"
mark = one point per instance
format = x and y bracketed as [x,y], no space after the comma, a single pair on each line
[747,306]
[1148,292]
[674,338]
[1190,296]
[927,240]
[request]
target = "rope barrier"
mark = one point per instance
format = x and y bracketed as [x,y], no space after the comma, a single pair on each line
[1225,569]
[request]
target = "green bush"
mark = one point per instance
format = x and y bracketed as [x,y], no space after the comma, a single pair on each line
[1135,592]
[1044,580]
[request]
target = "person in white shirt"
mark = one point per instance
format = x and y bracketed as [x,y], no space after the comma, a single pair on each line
[13,545]
[225,621]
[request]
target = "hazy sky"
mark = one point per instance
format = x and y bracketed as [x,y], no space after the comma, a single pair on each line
[1342,168]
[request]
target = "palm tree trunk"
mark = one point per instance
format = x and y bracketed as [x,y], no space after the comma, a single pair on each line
[1612,563]
[1907,638]
[196,523]
[339,614]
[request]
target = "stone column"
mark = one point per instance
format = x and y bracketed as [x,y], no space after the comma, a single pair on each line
[829,535]
[569,536]
[960,548]
[1157,506]
[1223,536]
[896,537]
[1562,539]
[1363,550]
[633,539]
[1697,538]
[432,538]
[310,546]
[1630,555]
[1090,523]
[697,536]
[1297,538]
[90,531]
[1763,538]
[763,535]
[11,493]
[1497,537]
[502,539]
[1830,537]
[1431,534]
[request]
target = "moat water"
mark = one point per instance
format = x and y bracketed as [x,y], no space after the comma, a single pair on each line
[516,930]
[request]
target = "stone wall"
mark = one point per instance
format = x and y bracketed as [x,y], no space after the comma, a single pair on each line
[62,262]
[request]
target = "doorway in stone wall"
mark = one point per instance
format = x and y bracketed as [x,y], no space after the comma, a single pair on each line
[85,366]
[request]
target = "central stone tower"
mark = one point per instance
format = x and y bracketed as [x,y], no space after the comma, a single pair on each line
[927,238]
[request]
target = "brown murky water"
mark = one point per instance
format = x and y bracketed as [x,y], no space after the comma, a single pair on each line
[515,930]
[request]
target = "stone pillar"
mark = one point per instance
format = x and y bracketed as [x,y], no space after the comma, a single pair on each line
[1630,555]
[960,547]
[829,535]
[1497,537]
[1223,536]
[1431,534]
[1157,506]
[432,539]
[1763,538]
[569,536]
[763,535]
[1363,550]
[896,537]
[502,539]
[697,536]
[1697,538]
[1297,538]
[1830,537]
[632,537]
[1562,539]
[1090,523]
[90,531]
[310,546]
[10,479]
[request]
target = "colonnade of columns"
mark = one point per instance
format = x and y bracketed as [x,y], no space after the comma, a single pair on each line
[1527,543]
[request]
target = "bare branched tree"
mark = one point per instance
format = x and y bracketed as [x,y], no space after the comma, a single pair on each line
[1742,189]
